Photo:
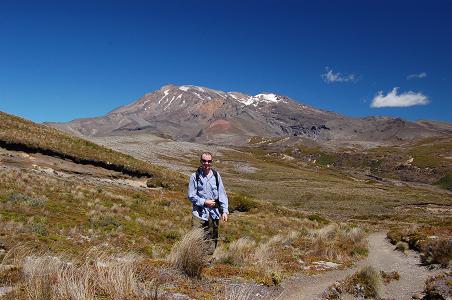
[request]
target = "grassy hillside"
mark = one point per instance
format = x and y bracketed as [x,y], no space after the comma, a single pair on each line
[65,225]
[21,134]
[46,216]
[85,234]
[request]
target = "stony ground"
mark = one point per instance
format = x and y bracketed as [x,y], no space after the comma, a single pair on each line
[383,257]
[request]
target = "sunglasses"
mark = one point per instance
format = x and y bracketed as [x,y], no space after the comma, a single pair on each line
[208,161]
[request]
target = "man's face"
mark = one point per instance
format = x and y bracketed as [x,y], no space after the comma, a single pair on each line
[206,163]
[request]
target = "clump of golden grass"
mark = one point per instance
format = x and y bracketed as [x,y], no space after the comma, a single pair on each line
[39,273]
[189,255]
[365,283]
[402,246]
[109,276]
[75,283]
[239,252]
[117,275]
[245,252]
[337,242]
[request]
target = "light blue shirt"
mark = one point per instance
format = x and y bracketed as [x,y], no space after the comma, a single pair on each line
[205,189]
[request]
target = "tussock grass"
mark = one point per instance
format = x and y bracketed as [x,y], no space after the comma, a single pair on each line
[269,260]
[369,283]
[99,275]
[39,273]
[190,254]
[402,246]
[75,283]
[446,181]
[337,242]
[364,283]
[79,215]
[239,253]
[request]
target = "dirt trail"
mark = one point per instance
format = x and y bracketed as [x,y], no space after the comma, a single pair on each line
[381,256]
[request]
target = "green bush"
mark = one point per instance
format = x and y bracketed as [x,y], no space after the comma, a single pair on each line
[326,159]
[241,202]
[446,182]
[318,219]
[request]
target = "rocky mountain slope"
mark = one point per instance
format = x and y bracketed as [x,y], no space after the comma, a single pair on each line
[192,113]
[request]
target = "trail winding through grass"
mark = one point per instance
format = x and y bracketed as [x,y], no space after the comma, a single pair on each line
[381,256]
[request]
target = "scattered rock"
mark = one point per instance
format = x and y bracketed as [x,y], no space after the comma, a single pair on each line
[439,287]
[322,265]
[4,290]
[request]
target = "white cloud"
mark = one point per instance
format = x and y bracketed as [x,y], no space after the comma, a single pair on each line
[403,100]
[416,76]
[329,76]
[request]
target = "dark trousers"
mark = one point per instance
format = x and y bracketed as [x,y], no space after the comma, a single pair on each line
[211,230]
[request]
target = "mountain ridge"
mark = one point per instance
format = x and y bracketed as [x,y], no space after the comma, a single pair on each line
[201,114]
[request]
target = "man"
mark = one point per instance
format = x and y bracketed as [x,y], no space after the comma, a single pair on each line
[210,203]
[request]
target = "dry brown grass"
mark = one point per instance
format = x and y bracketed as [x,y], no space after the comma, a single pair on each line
[100,275]
[337,242]
[363,284]
[369,280]
[189,255]
[74,283]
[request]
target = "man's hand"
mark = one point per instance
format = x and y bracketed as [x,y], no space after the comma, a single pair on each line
[224,217]
[209,203]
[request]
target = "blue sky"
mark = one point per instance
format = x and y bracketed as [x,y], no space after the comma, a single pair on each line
[67,59]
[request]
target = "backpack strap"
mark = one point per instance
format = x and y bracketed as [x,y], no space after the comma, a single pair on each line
[215,173]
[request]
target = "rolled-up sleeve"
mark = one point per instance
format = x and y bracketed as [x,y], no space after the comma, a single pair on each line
[222,197]
[192,192]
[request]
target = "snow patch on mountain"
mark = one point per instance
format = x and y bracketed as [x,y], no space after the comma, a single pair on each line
[166,92]
[267,97]
[257,99]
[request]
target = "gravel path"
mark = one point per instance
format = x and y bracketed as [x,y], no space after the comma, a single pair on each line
[381,256]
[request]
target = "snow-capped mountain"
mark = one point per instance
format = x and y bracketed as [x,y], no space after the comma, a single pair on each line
[193,113]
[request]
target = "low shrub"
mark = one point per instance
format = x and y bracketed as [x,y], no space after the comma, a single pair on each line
[241,202]
[438,251]
[402,246]
[326,159]
[410,236]
[439,286]
[388,277]
[319,219]
[446,182]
